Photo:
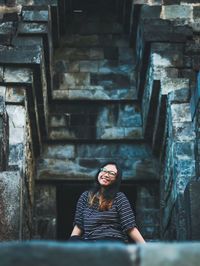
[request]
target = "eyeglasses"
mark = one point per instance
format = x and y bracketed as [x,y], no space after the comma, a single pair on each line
[110,173]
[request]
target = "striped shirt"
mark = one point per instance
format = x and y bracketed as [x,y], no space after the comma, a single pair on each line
[113,223]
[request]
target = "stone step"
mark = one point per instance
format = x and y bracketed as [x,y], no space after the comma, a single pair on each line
[83,17]
[105,66]
[123,54]
[102,121]
[86,79]
[80,161]
[95,133]
[94,27]
[95,93]
[95,40]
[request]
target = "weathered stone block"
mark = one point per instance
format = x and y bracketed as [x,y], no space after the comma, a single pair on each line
[73,54]
[126,54]
[76,40]
[89,66]
[167,31]
[136,161]
[47,253]
[172,84]
[110,80]
[74,66]
[45,200]
[10,190]
[95,93]
[96,53]
[182,95]
[177,12]
[150,12]
[170,254]
[28,27]
[3,91]
[181,113]
[61,66]
[183,131]
[192,199]
[184,150]
[71,80]
[45,228]
[59,151]
[152,2]
[15,95]
[17,127]
[4,135]
[35,15]
[183,169]
[22,75]
[150,232]
[149,217]
[196,12]
[59,120]
[1,73]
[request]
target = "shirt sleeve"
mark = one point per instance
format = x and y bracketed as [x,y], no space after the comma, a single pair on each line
[81,204]
[126,214]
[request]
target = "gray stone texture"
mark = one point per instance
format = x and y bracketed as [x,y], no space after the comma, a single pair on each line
[97,122]
[191,197]
[147,210]
[173,12]
[170,254]
[17,128]
[4,135]
[47,253]
[81,161]
[10,207]
[45,212]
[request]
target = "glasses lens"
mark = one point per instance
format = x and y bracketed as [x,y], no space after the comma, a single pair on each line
[110,173]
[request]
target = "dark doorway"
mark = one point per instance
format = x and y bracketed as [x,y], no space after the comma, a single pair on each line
[67,196]
[94,6]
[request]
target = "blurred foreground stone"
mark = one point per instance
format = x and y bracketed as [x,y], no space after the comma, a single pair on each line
[97,254]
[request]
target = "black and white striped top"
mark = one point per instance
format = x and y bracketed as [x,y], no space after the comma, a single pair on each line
[112,223]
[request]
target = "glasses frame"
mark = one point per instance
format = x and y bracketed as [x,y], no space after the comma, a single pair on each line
[110,173]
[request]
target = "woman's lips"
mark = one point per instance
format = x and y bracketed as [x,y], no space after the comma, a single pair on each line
[105,180]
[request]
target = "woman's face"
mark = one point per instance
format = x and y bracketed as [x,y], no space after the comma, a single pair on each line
[107,175]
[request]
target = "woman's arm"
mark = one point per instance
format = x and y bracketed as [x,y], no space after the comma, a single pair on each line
[135,235]
[76,231]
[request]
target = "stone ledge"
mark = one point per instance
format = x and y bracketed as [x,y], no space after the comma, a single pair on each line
[48,253]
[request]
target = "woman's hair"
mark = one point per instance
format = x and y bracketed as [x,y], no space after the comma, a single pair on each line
[105,198]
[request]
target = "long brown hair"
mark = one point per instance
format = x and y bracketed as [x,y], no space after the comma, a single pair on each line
[104,200]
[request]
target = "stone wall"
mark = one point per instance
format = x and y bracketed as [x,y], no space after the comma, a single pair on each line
[167,58]
[25,79]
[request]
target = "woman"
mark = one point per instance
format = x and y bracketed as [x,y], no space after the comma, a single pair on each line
[104,213]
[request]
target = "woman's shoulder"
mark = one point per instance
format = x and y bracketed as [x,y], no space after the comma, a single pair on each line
[120,195]
[84,195]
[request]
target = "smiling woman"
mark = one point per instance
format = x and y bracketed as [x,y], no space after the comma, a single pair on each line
[104,213]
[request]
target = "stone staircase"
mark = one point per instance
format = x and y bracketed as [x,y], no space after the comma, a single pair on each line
[94,115]
[94,110]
